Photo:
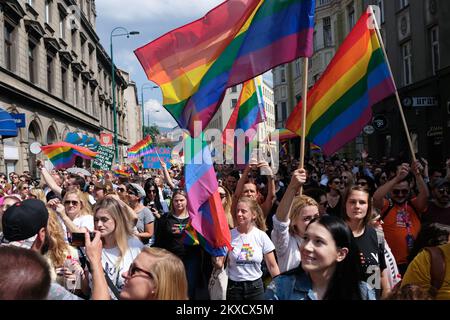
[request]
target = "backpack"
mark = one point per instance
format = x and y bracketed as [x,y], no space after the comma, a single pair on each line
[437,269]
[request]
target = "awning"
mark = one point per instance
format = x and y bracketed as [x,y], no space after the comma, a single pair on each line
[8,127]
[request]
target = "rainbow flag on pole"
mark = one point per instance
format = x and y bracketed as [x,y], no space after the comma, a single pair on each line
[204,204]
[243,123]
[283,134]
[63,154]
[340,103]
[141,148]
[236,41]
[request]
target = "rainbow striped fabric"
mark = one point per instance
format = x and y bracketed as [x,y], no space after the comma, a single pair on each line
[248,112]
[204,203]
[283,134]
[339,104]
[236,41]
[141,148]
[134,167]
[63,154]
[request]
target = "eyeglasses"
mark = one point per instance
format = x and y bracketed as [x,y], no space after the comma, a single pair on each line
[444,190]
[120,189]
[223,195]
[71,202]
[25,187]
[362,183]
[344,178]
[133,269]
[400,191]
[337,182]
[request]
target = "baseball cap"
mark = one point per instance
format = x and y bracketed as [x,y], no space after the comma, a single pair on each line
[137,190]
[23,220]
[439,182]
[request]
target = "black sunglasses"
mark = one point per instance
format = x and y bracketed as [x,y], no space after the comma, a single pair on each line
[73,203]
[400,191]
[120,189]
[133,269]
[444,190]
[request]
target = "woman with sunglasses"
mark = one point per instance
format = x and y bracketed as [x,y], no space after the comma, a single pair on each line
[152,198]
[357,213]
[24,190]
[120,246]
[155,274]
[334,199]
[144,225]
[74,212]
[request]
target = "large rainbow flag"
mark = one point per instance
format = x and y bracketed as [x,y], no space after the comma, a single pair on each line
[282,134]
[340,103]
[234,42]
[244,120]
[141,148]
[63,154]
[204,204]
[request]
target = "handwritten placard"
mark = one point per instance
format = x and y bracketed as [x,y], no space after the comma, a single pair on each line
[104,158]
[151,161]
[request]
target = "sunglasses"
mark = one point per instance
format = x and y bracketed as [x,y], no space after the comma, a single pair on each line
[25,187]
[400,191]
[223,195]
[70,202]
[337,182]
[444,190]
[344,178]
[133,269]
[362,183]
[120,189]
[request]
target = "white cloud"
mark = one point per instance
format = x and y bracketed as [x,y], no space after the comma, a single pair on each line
[156,114]
[160,10]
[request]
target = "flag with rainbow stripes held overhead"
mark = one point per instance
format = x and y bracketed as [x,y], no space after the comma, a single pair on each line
[141,148]
[236,41]
[63,154]
[340,104]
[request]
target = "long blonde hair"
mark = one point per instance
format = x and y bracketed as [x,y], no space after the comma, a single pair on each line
[260,222]
[299,203]
[122,230]
[168,274]
[58,248]
[227,207]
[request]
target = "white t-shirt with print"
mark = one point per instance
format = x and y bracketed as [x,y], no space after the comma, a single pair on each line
[111,256]
[287,245]
[244,261]
[86,221]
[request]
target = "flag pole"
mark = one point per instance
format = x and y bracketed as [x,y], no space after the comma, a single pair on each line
[304,106]
[399,104]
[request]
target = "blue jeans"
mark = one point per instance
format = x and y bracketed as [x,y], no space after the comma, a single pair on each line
[245,290]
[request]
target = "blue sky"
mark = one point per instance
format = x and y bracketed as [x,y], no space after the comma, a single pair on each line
[152,18]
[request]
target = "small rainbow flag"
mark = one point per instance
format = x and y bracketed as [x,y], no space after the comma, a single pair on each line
[314,148]
[193,238]
[134,166]
[141,148]
[121,171]
[63,154]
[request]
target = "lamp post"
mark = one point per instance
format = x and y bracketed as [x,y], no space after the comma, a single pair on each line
[144,86]
[113,75]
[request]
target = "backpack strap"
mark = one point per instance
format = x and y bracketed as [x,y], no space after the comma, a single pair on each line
[437,267]
[387,210]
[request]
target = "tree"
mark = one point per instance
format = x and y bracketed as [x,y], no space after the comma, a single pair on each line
[153,131]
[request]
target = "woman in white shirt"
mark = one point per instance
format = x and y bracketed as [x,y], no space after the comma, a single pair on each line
[250,246]
[290,221]
[120,246]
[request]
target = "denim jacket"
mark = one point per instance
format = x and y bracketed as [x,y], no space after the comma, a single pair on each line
[298,286]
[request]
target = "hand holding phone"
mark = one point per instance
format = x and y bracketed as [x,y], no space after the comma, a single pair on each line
[77,238]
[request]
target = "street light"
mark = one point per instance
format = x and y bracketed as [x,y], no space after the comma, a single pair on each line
[128,34]
[144,86]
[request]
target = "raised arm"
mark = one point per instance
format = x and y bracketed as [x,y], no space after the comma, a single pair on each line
[94,254]
[266,170]
[285,206]
[47,177]
[382,191]
[56,205]
[422,196]
[167,175]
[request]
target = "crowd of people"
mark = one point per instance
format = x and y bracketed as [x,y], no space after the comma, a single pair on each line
[335,229]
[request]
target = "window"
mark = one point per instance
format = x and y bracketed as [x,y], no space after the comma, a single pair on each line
[49,73]
[64,83]
[32,62]
[434,39]
[404,3]
[283,75]
[407,56]
[297,68]
[380,4]
[83,48]
[233,103]
[74,40]
[327,37]
[283,111]
[351,16]
[48,12]
[234,89]
[85,97]
[283,92]
[62,28]
[75,91]
[9,47]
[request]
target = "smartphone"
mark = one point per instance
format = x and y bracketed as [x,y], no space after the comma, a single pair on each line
[77,238]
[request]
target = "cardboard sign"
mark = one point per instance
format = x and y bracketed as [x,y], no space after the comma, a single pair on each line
[151,161]
[104,158]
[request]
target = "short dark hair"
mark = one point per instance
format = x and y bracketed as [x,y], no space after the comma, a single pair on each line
[79,180]
[25,274]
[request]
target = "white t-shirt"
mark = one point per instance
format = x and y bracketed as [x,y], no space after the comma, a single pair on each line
[86,221]
[287,246]
[244,261]
[111,256]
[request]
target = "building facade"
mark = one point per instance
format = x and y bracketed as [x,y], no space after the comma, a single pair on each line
[54,70]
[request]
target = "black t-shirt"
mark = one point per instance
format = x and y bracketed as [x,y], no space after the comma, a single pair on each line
[371,254]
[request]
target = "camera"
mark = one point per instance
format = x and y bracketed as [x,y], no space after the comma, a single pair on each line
[77,238]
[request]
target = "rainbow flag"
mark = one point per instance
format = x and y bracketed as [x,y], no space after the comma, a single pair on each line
[193,238]
[339,104]
[204,203]
[244,120]
[234,42]
[121,171]
[141,148]
[283,134]
[63,154]
[134,166]
[314,148]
